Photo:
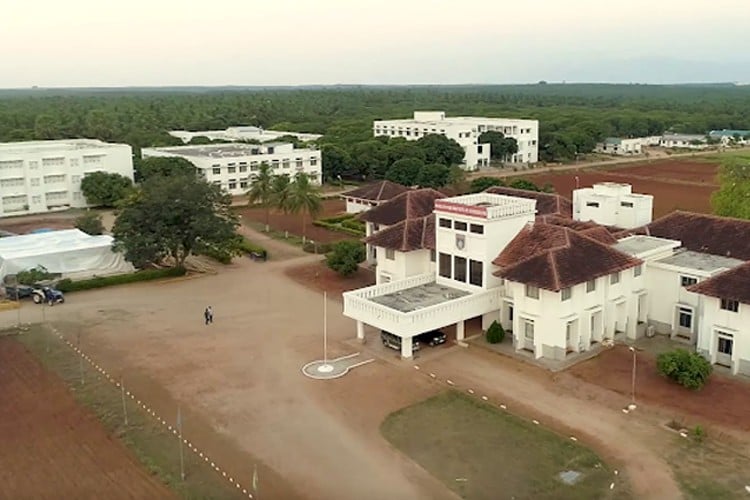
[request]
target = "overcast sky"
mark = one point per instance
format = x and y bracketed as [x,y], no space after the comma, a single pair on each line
[296,42]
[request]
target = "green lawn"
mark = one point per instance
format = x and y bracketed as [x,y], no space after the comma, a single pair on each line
[481,452]
[155,447]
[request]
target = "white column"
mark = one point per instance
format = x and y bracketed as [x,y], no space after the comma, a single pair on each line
[460,330]
[360,330]
[406,347]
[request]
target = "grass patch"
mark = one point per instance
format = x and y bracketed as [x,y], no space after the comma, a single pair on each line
[153,446]
[68,285]
[291,239]
[709,469]
[481,452]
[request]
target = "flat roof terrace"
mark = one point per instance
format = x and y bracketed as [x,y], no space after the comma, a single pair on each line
[226,150]
[419,297]
[639,244]
[486,205]
[700,261]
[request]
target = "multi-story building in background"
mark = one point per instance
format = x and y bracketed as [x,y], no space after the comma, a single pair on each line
[39,176]
[466,130]
[241,134]
[234,166]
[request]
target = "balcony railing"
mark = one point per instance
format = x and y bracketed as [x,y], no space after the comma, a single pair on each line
[359,306]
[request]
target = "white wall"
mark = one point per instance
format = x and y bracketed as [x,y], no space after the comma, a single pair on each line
[40,176]
[612,204]
[714,319]
[355,205]
[403,265]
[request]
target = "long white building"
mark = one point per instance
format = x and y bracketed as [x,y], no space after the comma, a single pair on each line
[233,166]
[241,134]
[558,281]
[39,176]
[466,130]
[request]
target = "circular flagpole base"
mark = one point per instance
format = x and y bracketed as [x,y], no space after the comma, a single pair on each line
[325,368]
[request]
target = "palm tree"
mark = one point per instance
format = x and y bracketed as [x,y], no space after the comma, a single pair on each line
[303,197]
[261,190]
[280,189]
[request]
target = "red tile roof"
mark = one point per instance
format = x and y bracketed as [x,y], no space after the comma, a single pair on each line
[377,191]
[733,284]
[412,204]
[406,236]
[588,228]
[555,257]
[701,233]
[546,203]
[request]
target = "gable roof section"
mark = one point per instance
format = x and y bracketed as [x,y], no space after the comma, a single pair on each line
[546,203]
[704,233]
[733,284]
[407,236]
[412,204]
[377,191]
[591,229]
[555,257]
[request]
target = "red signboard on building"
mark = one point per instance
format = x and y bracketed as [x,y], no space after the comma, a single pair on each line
[460,209]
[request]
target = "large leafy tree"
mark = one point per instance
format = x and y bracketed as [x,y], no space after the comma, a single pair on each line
[440,149]
[105,189]
[482,183]
[500,146]
[405,171]
[336,162]
[164,166]
[90,223]
[346,257]
[733,197]
[434,175]
[173,217]
[304,198]
[525,185]
[261,190]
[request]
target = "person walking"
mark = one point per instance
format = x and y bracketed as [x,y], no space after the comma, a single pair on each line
[207,315]
[210,312]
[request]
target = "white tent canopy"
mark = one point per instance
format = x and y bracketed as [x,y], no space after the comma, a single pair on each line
[70,252]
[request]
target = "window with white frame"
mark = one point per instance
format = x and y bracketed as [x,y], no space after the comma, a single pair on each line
[528,329]
[390,253]
[688,280]
[444,265]
[476,272]
[445,223]
[459,269]
[685,317]
[216,171]
[637,270]
[614,278]
[232,183]
[566,293]
[313,161]
[729,305]
[532,292]
[591,285]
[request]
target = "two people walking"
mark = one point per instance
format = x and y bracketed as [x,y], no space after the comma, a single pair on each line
[208,315]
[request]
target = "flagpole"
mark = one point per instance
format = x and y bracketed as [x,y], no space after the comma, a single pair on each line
[255,479]
[325,328]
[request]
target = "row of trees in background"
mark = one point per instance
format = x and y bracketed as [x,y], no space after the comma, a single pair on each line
[482,183]
[297,196]
[733,197]
[572,117]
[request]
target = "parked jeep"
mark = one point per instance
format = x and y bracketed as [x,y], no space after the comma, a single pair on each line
[433,338]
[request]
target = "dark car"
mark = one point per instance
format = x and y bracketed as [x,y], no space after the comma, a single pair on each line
[394,341]
[433,338]
[18,292]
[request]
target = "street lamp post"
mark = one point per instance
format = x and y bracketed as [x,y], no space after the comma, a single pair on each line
[632,388]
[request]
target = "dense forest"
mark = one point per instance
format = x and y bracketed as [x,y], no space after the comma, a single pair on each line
[572,117]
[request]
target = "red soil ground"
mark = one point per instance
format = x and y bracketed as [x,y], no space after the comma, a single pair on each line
[24,225]
[668,195]
[293,222]
[51,447]
[699,172]
[723,400]
[317,276]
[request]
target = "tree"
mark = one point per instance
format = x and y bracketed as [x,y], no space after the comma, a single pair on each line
[164,166]
[433,176]
[303,198]
[732,199]
[346,257]
[261,190]
[500,146]
[439,149]
[525,185]
[495,333]
[173,216]
[369,159]
[90,223]
[105,189]
[483,183]
[688,369]
[33,276]
[336,162]
[405,172]
[280,189]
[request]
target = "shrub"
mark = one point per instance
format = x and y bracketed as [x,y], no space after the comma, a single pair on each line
[688,369]
[224,255]
[345,257]
[68,285]
[90,223]
[495,333]
[311,247]
[34,275]
[698,433]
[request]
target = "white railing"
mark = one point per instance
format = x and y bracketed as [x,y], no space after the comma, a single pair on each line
[393,286]
[358,306]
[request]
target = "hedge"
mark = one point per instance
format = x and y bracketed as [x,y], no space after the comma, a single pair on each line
[223,257]
[317,248]
[68,285]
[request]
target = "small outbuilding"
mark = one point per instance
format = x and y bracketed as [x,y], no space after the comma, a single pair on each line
[70,252]
[366,197]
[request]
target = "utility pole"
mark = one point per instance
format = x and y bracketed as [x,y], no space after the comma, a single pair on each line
[179,434]
[124,406]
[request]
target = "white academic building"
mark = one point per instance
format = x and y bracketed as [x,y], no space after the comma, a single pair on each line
[233,166]
[241,134]
[41,176]
[620,147]
[560,280]
[684,141]
[466,130]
